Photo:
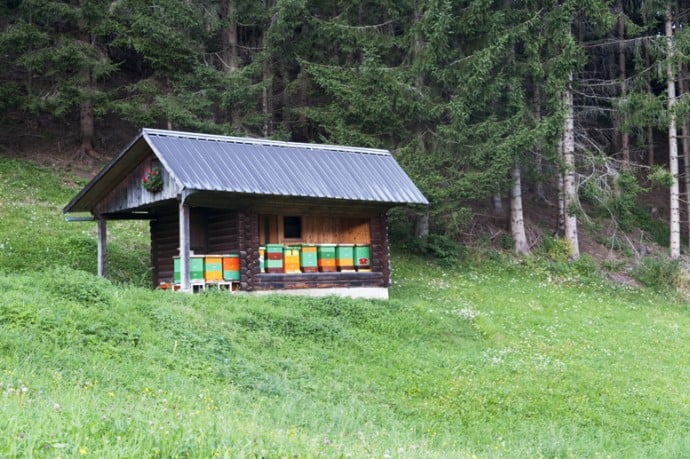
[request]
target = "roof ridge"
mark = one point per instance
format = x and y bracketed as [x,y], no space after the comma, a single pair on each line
[266,142]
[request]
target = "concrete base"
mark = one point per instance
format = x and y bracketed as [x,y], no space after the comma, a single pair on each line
[371,293]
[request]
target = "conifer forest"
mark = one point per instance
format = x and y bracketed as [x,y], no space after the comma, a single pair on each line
[583,106]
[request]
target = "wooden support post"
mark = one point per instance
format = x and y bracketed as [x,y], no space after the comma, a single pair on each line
[101,245]
[185,282]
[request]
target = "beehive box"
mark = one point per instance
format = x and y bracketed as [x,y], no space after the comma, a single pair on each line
[344,257]
[308,259]
[326,257]
[274,258]
[231,267]
[291,259]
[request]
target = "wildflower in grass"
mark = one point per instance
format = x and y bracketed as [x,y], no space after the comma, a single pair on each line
[82,451]
[56,406]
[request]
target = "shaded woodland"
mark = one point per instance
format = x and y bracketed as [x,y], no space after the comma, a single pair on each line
[583,106]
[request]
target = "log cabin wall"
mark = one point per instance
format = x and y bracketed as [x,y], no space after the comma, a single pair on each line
[222,231]
[212,231]
[380,250]
[249,249]
[165,239]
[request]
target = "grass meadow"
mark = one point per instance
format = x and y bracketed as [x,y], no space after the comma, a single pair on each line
[488,358]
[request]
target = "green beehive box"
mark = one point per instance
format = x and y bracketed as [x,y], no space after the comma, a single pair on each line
[308,258]
[362,257]
[326,257]
[274,263]
[344,254]
[326,251]
[196,269]
[273,259]
[274,248]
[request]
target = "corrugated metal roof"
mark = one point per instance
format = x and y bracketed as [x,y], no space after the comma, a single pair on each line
[253,166]
[262,167]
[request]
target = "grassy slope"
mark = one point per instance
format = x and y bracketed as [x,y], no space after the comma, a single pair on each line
[499,360]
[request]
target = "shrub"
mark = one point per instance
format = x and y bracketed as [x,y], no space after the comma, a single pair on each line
[586,266]
[555,249]
[79,286]
[660,273]
[437,245]
[660,176]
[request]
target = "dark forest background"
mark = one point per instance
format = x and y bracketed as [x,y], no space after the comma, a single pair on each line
[521,121]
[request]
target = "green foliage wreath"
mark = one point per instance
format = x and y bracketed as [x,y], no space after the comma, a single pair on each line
[152,180]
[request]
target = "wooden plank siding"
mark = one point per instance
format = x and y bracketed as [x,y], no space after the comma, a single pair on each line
[130,194]
[377,237]
[316,230]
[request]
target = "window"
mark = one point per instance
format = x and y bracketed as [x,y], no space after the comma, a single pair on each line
[292,227]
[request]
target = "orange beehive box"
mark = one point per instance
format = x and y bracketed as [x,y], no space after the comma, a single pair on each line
[213,268]
[291,259]
[231,267]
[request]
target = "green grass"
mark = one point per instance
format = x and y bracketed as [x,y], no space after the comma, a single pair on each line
[492,359]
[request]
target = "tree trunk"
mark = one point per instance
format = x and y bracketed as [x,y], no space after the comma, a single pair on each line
[686,149]
[228,36]
[683,87]
[267,78]
[650,128]
[614,74]
[87,130]
[560,224]
[539,157]
[517,222]
[421,227]
[230,53]
[672,140]
[497,200]
[622,74]
[87,125]
[569,188]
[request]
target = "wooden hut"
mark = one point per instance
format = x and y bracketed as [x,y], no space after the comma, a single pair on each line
[207,194]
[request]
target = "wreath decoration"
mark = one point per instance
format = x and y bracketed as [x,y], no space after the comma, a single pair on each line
[152,180]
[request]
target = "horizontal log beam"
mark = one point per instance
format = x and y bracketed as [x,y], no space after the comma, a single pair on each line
[270,281]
